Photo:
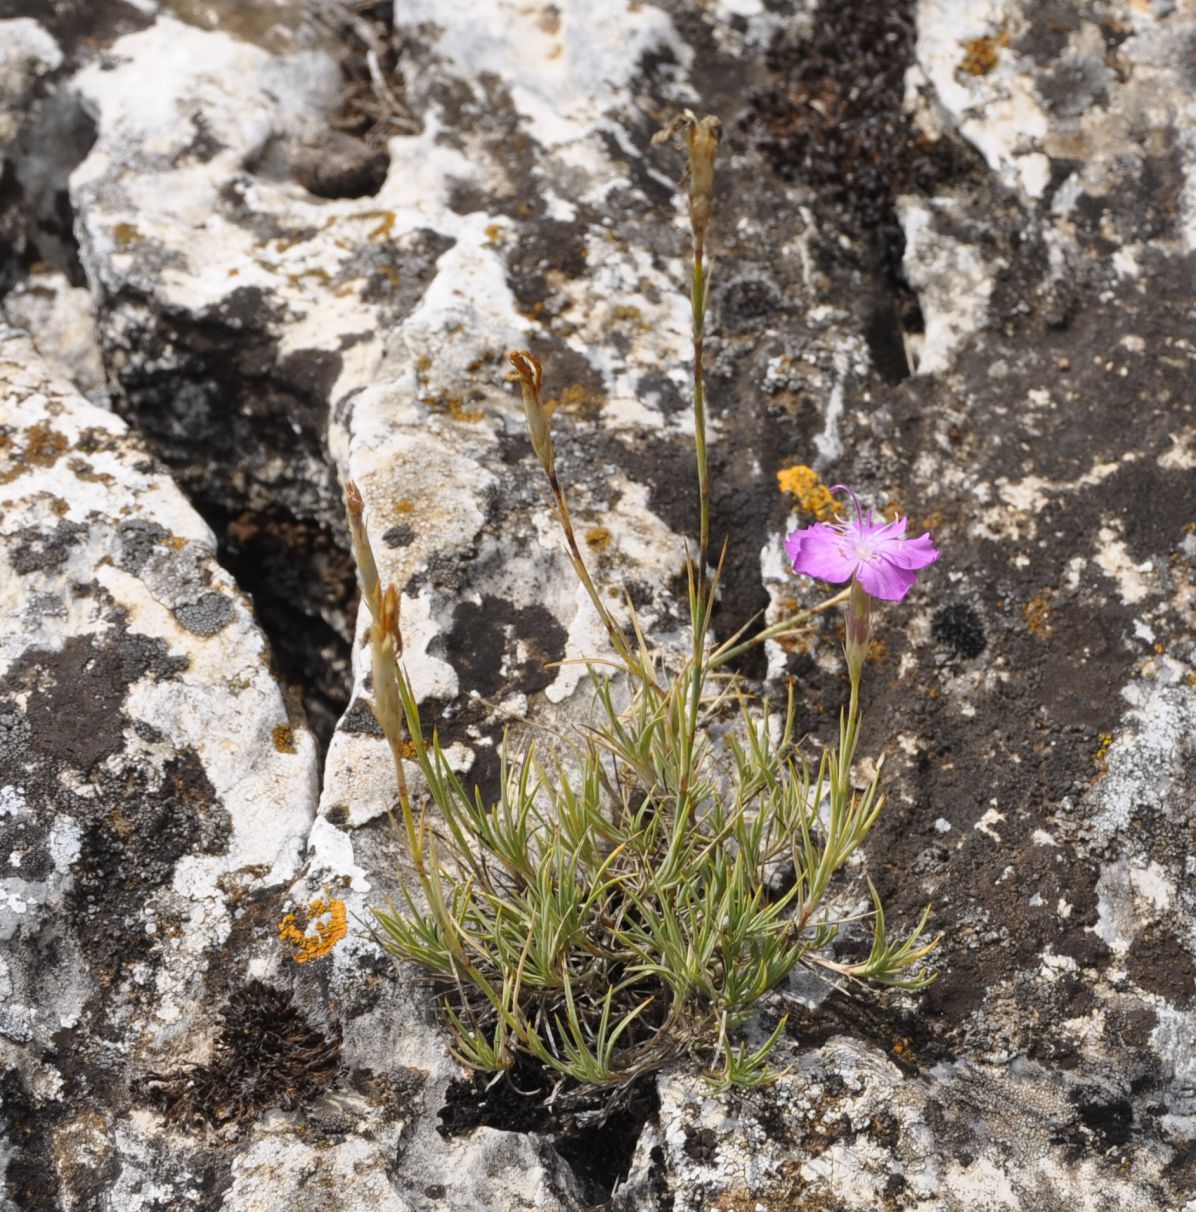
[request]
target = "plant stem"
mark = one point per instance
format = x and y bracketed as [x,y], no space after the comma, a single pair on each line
[698,300]
[722,655]
[614,632]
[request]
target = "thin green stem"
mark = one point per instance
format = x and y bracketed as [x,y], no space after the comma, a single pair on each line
[698,300]
[729,651]
[614,632]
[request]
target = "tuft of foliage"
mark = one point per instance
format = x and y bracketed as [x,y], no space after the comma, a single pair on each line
[266,1055]
[628,901]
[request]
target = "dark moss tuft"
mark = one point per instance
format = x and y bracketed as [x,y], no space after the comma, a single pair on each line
[267,1055]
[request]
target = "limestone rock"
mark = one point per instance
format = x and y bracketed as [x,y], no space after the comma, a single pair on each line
[953,267]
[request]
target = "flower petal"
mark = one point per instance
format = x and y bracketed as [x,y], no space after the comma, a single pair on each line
[883,579]
[908,553]
[821,551]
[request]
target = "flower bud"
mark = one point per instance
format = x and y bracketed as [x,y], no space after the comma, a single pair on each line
[702,138]
[362,552]
[530,374]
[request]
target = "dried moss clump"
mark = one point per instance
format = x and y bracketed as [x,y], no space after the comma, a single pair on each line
[266,1055]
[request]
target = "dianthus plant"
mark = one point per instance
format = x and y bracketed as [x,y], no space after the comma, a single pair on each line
[627,903]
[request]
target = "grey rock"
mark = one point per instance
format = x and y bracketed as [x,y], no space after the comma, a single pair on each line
[1025,249]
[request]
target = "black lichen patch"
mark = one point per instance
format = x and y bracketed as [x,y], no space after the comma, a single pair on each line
[75,709]
[485,635]
[30,1177]
[211,614]
[41,550]
[1158,963]
[266,1055]
[397,272]
[959,627]
[550,250]
[835,116]
[360,718]
[139,540]
[834,119]
[1110,1120]
[401,535]
[135,830]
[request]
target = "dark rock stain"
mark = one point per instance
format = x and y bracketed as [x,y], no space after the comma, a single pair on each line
[483,636]
[134,834]
[75,711]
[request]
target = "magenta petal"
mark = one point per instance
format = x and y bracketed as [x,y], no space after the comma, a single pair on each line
[822,552]
[910,553]
[884,580]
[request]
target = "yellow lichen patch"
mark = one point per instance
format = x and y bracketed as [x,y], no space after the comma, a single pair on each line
[43,446]
[806,487]
[598,538]
[1101,756]
[386,221]
[576,400]
[327,922]
[284,739]
[1037,613]
[322,276]
[493,233]
[460,411]
[629,314]
[125,234]
[405,505]
[980,54]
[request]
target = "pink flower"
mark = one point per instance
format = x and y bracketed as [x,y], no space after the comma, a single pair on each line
[876,554]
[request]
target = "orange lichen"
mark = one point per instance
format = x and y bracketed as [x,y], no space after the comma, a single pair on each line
[284,739]
[125,234]
[460,411]
[1037,613]
[387,221]
[321,276]
[806,487]
[43,446]
[405,505]
[327,923]
[980,54]
[598,537]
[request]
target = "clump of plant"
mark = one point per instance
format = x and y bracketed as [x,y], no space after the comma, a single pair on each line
[631,902]
[266,1055]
